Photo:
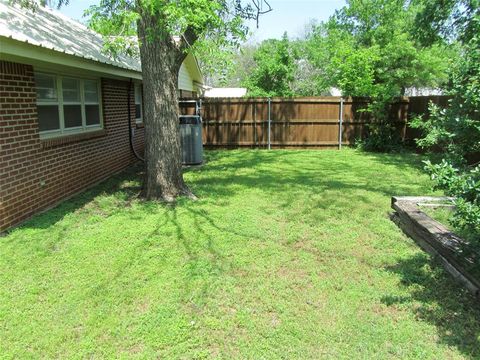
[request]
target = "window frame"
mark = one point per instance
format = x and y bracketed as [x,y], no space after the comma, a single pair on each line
[138,87]
[99,103]
[60,103]
[79,102]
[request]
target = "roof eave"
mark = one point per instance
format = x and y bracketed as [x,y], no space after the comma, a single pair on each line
[32,53]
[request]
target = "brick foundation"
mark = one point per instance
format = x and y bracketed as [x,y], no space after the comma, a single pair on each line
[36,174]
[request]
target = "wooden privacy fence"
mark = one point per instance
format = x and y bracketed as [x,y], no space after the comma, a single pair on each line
[319,122]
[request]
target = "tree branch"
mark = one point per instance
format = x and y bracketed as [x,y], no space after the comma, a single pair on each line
[259,6]
[187,40]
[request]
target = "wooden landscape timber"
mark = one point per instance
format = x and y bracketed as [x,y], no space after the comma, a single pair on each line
[433,237]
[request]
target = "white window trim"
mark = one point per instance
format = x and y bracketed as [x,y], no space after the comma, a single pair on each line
[80,102]
[138,87]
[47,134]
[99,103]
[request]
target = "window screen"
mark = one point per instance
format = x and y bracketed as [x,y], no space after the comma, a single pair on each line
[47,102]
[48,117]
[92,103]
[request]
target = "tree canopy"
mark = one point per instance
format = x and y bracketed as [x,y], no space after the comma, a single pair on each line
[193,22]
[368,49]
[274,69]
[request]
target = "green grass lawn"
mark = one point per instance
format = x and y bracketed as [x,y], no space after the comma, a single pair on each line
[287,254]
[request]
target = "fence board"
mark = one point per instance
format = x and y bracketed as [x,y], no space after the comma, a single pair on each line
[297,122]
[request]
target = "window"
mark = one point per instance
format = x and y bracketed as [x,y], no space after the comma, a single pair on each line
[72,104]
[47,103]
[92,105]
[138,103]
[67,105]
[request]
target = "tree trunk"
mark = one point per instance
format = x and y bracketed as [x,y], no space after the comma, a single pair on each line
[159,56]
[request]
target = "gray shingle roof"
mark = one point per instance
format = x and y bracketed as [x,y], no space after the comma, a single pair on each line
[50,29]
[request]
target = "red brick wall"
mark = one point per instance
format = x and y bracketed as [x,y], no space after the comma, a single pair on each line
[36,174]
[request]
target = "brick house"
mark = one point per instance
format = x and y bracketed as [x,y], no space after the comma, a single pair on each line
[64,121]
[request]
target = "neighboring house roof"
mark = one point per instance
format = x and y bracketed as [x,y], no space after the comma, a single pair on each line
[333,91]
[423,92]
[225,92]
[408,92]
[50,29]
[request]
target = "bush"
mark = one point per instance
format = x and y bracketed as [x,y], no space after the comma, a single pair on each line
[382,135]
[464,185]
[380,138]
[455,131]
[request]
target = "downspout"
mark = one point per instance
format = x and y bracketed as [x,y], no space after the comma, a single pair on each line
[130,133]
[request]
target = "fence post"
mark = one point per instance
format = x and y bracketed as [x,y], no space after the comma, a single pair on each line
[269,123]
[340,125]
[254,124]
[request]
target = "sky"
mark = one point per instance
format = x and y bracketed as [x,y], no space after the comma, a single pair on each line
[287,15]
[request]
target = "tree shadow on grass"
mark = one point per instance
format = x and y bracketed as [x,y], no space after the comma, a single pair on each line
[227,174]
[202,259]
[284,184]
[203,263]
[402,160]
[221,178]
[438,300]
[251,158]
[114,185]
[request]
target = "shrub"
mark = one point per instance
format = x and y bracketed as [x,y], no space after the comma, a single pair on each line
[455,131]
[464,185]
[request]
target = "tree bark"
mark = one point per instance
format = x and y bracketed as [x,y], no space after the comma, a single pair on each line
[159,55]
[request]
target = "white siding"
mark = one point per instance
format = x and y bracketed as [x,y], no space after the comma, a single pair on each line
[185,81]
[189,76]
